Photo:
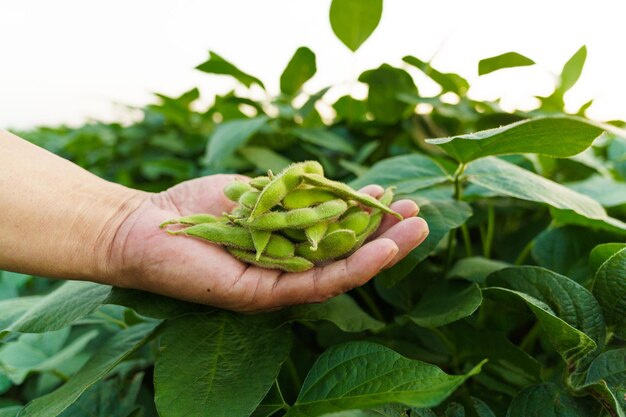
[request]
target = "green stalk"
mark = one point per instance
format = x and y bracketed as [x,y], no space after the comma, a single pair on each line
[458,194]
[488,240]
[524,253]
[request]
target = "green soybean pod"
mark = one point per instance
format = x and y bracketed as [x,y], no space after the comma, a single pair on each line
[306,197]
[260,182]
[344,191]
[298,218]
[315,233]
[237,237]
[376,216]
[249,198]
[260,239]
[332,246]
[234,189]
[291,264]
[296,235]
[282,184]
[194,219]
[239,212]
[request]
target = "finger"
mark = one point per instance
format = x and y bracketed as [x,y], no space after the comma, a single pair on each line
[322,283]
[374,190]
[407,234]
[408,208]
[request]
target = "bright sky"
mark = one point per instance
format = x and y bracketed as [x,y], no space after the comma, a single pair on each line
[66,61]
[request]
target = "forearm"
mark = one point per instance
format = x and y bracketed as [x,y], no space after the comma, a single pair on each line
[56,219]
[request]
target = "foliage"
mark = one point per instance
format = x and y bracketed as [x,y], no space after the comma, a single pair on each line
[514,305]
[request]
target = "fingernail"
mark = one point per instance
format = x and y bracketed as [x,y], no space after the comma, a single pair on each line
[392,254]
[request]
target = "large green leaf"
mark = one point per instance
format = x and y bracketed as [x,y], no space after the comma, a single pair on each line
[325,138]
[361,375]
[548,400]
[353,21]
[299,70]
[217,365]
[153,305]
[607,377]
[385,84]
[506,60]
[218,65]
[38,353]
[448,81]
[475,268]
[609,287]
[601,254]
[68,303]
[572,70]
[13,308]
[601,223]
[568,312]
[114,351]
[230,136]
[408,173]
[12,411]
[264,158]
[508,179]
[445,302]
[342,311]
[605,191]
[558,136]
[442,216]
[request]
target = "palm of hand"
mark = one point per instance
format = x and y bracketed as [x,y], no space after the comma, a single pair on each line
[147,258]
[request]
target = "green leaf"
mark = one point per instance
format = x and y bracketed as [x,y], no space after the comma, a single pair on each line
[572,70]
[271,404]
[361,375]
[341,310]
[32,353]
[218,65]
[609,287]
[606,191]
[10,411]
[385,84]
[601,223]
[446,302]
[508,179]
[448,81]
[217,365]
[299,70]
[112,352]
[567,312]
[601,253]
[13,308]
[506,60]
[264,158]
[442,216]
[325,139]
[548,400]
[607,377]
[153,305]
[558,136]
[230,136]
[68,303]
[475,269]
[408,173]
[353,21]
[565,250]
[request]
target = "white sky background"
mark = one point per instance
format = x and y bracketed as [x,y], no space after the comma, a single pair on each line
[66,61]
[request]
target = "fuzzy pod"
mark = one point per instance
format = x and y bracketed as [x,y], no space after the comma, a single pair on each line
[357,221]
[282,184]
[334,245]
[260,182]
[249,199]
[306,197]
[260,239]
[295,235]
[298,218]
[346,192]
[234,189]
[375,217]
[291,264]
[238,237]
[194,219]
[315,234]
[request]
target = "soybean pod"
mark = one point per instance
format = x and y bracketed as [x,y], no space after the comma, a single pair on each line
[298,218]
[291,264]
[194,219]
[332,246]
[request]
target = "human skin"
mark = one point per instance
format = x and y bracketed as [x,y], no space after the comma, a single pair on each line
[60,221]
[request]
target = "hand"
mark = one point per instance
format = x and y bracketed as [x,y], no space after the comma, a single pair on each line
[142,256]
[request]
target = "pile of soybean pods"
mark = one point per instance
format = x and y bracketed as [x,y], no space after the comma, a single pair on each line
[291,221]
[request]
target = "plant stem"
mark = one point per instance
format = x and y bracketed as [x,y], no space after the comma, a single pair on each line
[293,373]
[531,338]
[458,194]
[488,240]
[524,253]
[466,240]
[370,303]
[60,375]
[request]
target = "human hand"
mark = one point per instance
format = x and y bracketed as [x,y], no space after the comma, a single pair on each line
[142,256]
